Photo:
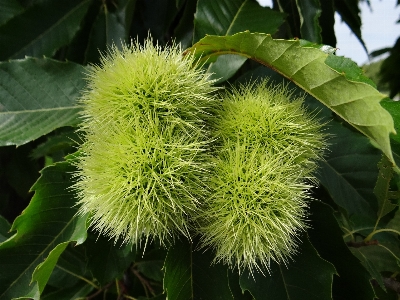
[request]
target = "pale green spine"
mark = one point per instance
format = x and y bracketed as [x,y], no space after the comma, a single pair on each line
[265,154]
[144,162]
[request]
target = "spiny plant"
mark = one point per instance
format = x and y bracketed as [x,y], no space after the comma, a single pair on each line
[155,163]
[143,164]
[266,150]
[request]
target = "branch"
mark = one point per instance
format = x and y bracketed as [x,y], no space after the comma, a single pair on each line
[362,243]
[393,284]
[99,291]
[146,284]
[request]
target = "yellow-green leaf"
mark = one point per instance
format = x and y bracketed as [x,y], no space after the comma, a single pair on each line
[333,80]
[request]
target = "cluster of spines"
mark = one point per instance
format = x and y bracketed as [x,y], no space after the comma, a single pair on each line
[266,150]
[162,157]
[144,162]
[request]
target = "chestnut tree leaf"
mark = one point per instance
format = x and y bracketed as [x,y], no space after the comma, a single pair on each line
[43,230]
[308,276]
[4,229]
[36,97]
[80,290]
[111,261]
[228,17]
[110,28]
[190,274]
[329,78]
[9,9]
[349,172]
[382,186]
[28,34]
[383,257]
[393,107]
[309,12]
[352,278]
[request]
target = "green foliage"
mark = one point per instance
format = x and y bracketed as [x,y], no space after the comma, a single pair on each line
[319,73]
[38,96]
[307,277]
[45,227]
[57,25]
[349,248]
[389,73]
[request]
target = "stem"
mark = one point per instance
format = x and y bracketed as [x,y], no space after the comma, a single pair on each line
[80,277]
[348,233]
[146,285]
[117,286]
[129,297]
[98,292]
[369,237]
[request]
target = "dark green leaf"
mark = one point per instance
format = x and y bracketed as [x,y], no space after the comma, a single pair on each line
[110,28]
[234,286]
[79,290]
[349,172]
[58,145]
[4,229]
[111,261]
[352,277]
[43,230]
[21,171]
[369,265]
[293,19]
[225,67]
[382,295]
[383,257]
[310,11]
[306,66]
[326,20]
[184,30]
[394,223]
[393,107]
[36,97]
[382,186]
[42,29]
[9,9]
[158,22]
[69,270]
[178,278]
[179,3]
[389,72]
[228,17]
[190,275]
[380,52]
[150,264]
[308,276]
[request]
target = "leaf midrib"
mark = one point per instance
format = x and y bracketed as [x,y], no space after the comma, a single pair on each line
[235,17]
[39,255]
[40,110]
[340,175]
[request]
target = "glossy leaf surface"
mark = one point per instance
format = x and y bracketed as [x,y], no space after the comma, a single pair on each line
[308,276]
[190,275]
[26,34]
[228,17]
[43,231]
[330,79]
[36,97]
